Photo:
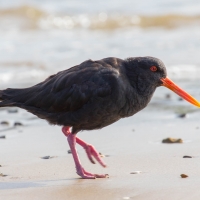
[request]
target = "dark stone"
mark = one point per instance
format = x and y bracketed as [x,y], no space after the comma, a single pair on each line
[172,140]
[18,124]
[168,96]
[184,176]
[4,123]
[187,156]
[183,115]
[3,175]
[69,151]
[46,157]
[12,110]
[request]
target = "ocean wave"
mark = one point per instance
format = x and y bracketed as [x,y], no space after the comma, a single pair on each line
[184,72]
[25,73]
[28,17]
[21,73]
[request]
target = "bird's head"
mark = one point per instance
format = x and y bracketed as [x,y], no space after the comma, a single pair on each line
[149,73]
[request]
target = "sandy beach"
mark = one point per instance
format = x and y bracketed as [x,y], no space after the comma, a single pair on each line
[40,38]
[132,144]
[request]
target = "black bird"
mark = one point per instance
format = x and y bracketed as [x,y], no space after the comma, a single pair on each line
[93,95]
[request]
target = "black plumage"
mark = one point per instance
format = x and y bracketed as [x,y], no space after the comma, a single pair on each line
[91,95]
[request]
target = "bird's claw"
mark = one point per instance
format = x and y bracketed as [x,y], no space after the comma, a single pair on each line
[91,151]
[86,175]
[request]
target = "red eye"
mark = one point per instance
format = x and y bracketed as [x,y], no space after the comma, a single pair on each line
[153,68]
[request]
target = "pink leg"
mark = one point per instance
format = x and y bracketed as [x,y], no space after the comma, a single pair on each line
[90,150]
[80,171]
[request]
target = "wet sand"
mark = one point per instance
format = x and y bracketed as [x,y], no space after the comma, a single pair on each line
[132,144]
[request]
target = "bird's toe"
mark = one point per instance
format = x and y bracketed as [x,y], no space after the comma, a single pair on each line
[101,175]
[87,175]
[91,151]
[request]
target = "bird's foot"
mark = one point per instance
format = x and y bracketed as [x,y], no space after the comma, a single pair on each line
[87,175]
[91,151]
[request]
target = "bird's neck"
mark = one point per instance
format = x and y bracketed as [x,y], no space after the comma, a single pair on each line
[131,71]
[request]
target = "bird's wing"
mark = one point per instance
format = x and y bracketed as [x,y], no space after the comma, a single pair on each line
[67,90]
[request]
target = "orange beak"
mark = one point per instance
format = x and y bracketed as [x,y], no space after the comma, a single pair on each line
[172,86]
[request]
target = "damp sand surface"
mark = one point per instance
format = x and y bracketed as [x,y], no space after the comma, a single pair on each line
[39,39]
[130,145]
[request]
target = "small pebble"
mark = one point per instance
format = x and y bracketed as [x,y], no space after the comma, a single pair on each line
[184,176]
[69,151]
[5,123]
[183,115]
[2,137]
[135,172]
[0,165]
[172,140]
[12,110]
[180,99]
[126,197]
[101,155]
[187,156]
[18,124]
[3,175]
[168,96]
[46,157]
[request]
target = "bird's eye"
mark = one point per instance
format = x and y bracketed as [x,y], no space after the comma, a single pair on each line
[153,68]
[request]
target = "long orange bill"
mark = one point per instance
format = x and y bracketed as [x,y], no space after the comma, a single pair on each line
[172,86]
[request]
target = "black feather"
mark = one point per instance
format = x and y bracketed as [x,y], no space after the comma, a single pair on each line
[91,95]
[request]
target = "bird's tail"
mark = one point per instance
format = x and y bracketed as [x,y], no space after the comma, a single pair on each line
[4,99]
[0,94]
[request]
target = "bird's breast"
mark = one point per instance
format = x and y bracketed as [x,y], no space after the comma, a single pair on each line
[133,103]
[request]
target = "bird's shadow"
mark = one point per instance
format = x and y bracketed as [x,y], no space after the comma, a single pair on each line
[35,184]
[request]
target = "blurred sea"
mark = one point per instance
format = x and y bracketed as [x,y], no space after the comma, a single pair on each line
[40,37]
